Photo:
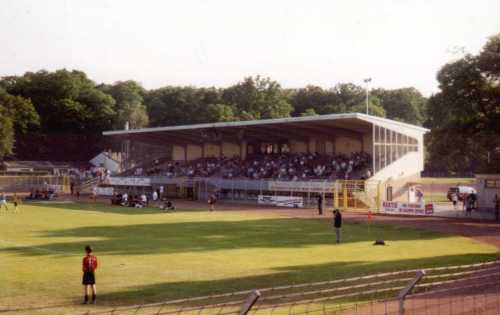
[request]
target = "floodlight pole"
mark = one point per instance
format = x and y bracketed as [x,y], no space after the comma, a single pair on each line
[367,80]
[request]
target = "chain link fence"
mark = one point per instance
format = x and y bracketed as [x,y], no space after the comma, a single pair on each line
[25,183]
[464,289]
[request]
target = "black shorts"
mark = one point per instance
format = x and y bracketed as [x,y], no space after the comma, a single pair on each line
[88,278]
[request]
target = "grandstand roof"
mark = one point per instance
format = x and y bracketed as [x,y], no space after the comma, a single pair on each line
[267,129]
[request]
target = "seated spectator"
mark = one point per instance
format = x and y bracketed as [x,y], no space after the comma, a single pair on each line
[117,199]
[167,206]
[284,166]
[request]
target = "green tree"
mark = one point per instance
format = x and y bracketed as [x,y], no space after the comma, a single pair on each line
[17,115]
[352,99]
[309,112]
[314,97]
[406,104]
[6,133]
[129,104]
[180,105]
[257,98]
[464,117]
[72,111]
[65,100]
[20,110]
[220,113]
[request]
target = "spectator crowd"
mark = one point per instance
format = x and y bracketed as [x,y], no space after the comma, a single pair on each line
[289,166]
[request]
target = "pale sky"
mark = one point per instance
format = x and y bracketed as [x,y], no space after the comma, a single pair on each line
[398,43]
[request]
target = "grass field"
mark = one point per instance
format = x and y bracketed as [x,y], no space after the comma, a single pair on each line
[447,180]
[436,188]
[148,256]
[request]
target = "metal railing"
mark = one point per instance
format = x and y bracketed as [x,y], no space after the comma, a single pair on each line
[416,291]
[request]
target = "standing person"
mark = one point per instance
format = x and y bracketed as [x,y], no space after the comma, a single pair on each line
[89,265]
[72,187]
[155,195]
[160,194]
[16,202]
[496,200]
[211,201]
[464,200]
[3,202]
[337,223]
[454,199]
[94,193]
[320,204]
[420,195]
[469,203]
[473,200]
[144,199]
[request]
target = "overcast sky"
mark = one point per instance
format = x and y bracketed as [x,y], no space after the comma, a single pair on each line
[216,43]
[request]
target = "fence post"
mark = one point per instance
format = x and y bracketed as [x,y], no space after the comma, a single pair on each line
[336,195]
[249,302]
[405,291]
[345,205]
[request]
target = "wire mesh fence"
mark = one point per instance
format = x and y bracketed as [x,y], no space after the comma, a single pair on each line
[26,183]
[464,289]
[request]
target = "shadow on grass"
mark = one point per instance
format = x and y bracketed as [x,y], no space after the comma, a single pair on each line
[183,237]
[113,209]
[283,276]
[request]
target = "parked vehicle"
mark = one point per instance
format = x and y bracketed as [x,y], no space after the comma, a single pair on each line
[461,191]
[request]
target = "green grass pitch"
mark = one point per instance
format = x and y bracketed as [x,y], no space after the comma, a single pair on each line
[149,256]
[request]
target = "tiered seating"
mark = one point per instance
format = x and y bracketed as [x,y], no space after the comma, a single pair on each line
[301,166]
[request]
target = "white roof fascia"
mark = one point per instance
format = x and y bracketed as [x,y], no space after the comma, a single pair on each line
[235,124]
[368,118]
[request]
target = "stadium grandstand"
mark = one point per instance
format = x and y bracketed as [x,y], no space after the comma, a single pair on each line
[372,158]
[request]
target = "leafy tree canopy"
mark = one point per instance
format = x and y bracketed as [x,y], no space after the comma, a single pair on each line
[129,104]
[465,115]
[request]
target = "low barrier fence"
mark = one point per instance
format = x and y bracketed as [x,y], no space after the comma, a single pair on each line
[25,183]
[464,289]
[346,194]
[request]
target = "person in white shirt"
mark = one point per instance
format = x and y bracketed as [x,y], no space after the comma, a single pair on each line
[144,199]
[124,199]
[155,195]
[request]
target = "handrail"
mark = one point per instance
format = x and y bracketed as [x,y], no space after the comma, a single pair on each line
[403,293]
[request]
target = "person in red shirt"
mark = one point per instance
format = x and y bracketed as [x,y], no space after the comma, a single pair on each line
[89,265]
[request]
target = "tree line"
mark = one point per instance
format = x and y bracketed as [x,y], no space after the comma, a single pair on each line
[60,115]
[49,114]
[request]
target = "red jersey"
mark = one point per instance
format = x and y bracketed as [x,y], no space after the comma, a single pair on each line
[89,263]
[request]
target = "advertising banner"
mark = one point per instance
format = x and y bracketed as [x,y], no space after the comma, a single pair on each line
[281,201]
[128,181]
[104,191]
[407,208]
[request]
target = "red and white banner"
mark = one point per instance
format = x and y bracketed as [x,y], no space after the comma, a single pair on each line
[407,208]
